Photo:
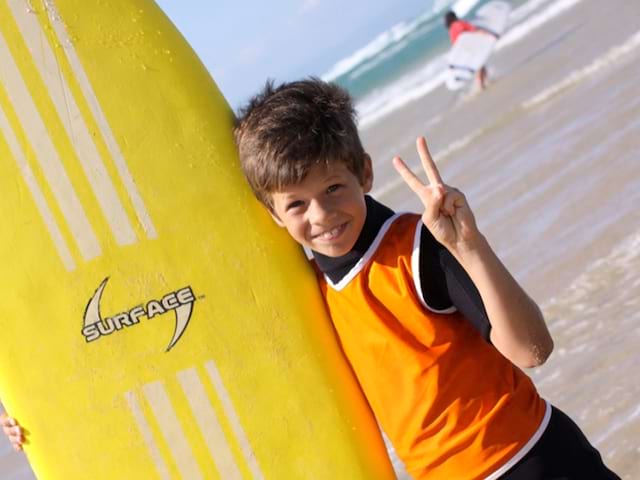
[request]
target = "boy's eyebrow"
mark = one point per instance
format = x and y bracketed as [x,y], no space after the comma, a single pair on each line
[287,193]
[288,197]
[332,176]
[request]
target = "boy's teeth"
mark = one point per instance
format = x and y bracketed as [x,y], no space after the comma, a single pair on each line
[331,233]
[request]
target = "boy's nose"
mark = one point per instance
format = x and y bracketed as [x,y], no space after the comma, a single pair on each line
[320,212]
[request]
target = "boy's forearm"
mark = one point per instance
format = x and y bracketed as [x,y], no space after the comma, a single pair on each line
[518,329]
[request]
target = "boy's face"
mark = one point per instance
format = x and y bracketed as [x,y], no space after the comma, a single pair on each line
[326,211]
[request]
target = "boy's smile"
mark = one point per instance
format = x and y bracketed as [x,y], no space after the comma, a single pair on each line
[326,211]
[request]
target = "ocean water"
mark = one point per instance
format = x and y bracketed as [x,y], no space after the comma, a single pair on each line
[409,59]
[547,157]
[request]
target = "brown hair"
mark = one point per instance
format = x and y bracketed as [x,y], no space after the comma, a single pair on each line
[285,130]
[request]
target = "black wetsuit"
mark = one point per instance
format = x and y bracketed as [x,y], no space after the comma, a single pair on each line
[562,452]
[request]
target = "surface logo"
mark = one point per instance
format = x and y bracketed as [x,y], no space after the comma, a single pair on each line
[180,302]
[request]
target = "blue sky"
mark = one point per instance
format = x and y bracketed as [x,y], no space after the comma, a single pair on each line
[242,44]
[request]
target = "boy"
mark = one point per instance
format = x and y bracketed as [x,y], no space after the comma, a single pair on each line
[398,288]
[433,353]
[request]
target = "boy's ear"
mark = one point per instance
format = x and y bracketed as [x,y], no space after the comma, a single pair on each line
[367,174]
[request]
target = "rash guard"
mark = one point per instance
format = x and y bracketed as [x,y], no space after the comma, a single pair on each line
[451,404]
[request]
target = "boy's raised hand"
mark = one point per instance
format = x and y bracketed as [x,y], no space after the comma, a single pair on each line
[12,430]
[446,212]
[518,329]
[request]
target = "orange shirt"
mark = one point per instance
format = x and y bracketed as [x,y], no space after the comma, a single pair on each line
[451,404]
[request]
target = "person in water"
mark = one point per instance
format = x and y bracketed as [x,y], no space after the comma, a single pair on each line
[455,27]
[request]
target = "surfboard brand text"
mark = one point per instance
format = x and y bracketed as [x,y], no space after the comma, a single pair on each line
[179,301]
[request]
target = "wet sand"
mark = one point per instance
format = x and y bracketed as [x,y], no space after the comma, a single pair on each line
[547,157]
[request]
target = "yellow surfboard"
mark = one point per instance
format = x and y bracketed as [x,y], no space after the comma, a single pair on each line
[154,322]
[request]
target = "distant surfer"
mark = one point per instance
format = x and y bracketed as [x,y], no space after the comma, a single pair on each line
[456,26]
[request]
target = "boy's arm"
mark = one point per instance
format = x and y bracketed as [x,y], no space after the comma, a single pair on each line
[12,430]
[518,328]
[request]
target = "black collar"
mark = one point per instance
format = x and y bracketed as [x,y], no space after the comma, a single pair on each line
[337,267]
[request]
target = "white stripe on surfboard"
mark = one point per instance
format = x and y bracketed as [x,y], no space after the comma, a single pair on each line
[171,430]
[234,421]
[73,122]
[101,120]
[209,425]
[34,128]
[36,193]
[147,435]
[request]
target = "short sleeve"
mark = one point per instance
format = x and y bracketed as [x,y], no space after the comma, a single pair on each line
[444,285]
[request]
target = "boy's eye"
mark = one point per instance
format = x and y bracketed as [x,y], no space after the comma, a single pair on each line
[333,188]
[294,204]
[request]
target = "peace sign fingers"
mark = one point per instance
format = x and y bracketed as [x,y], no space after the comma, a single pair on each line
[446,212]
[410,178]
[433,175]
[434,184]
[430,195]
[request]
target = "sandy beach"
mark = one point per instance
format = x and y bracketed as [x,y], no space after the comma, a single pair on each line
[547,157]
